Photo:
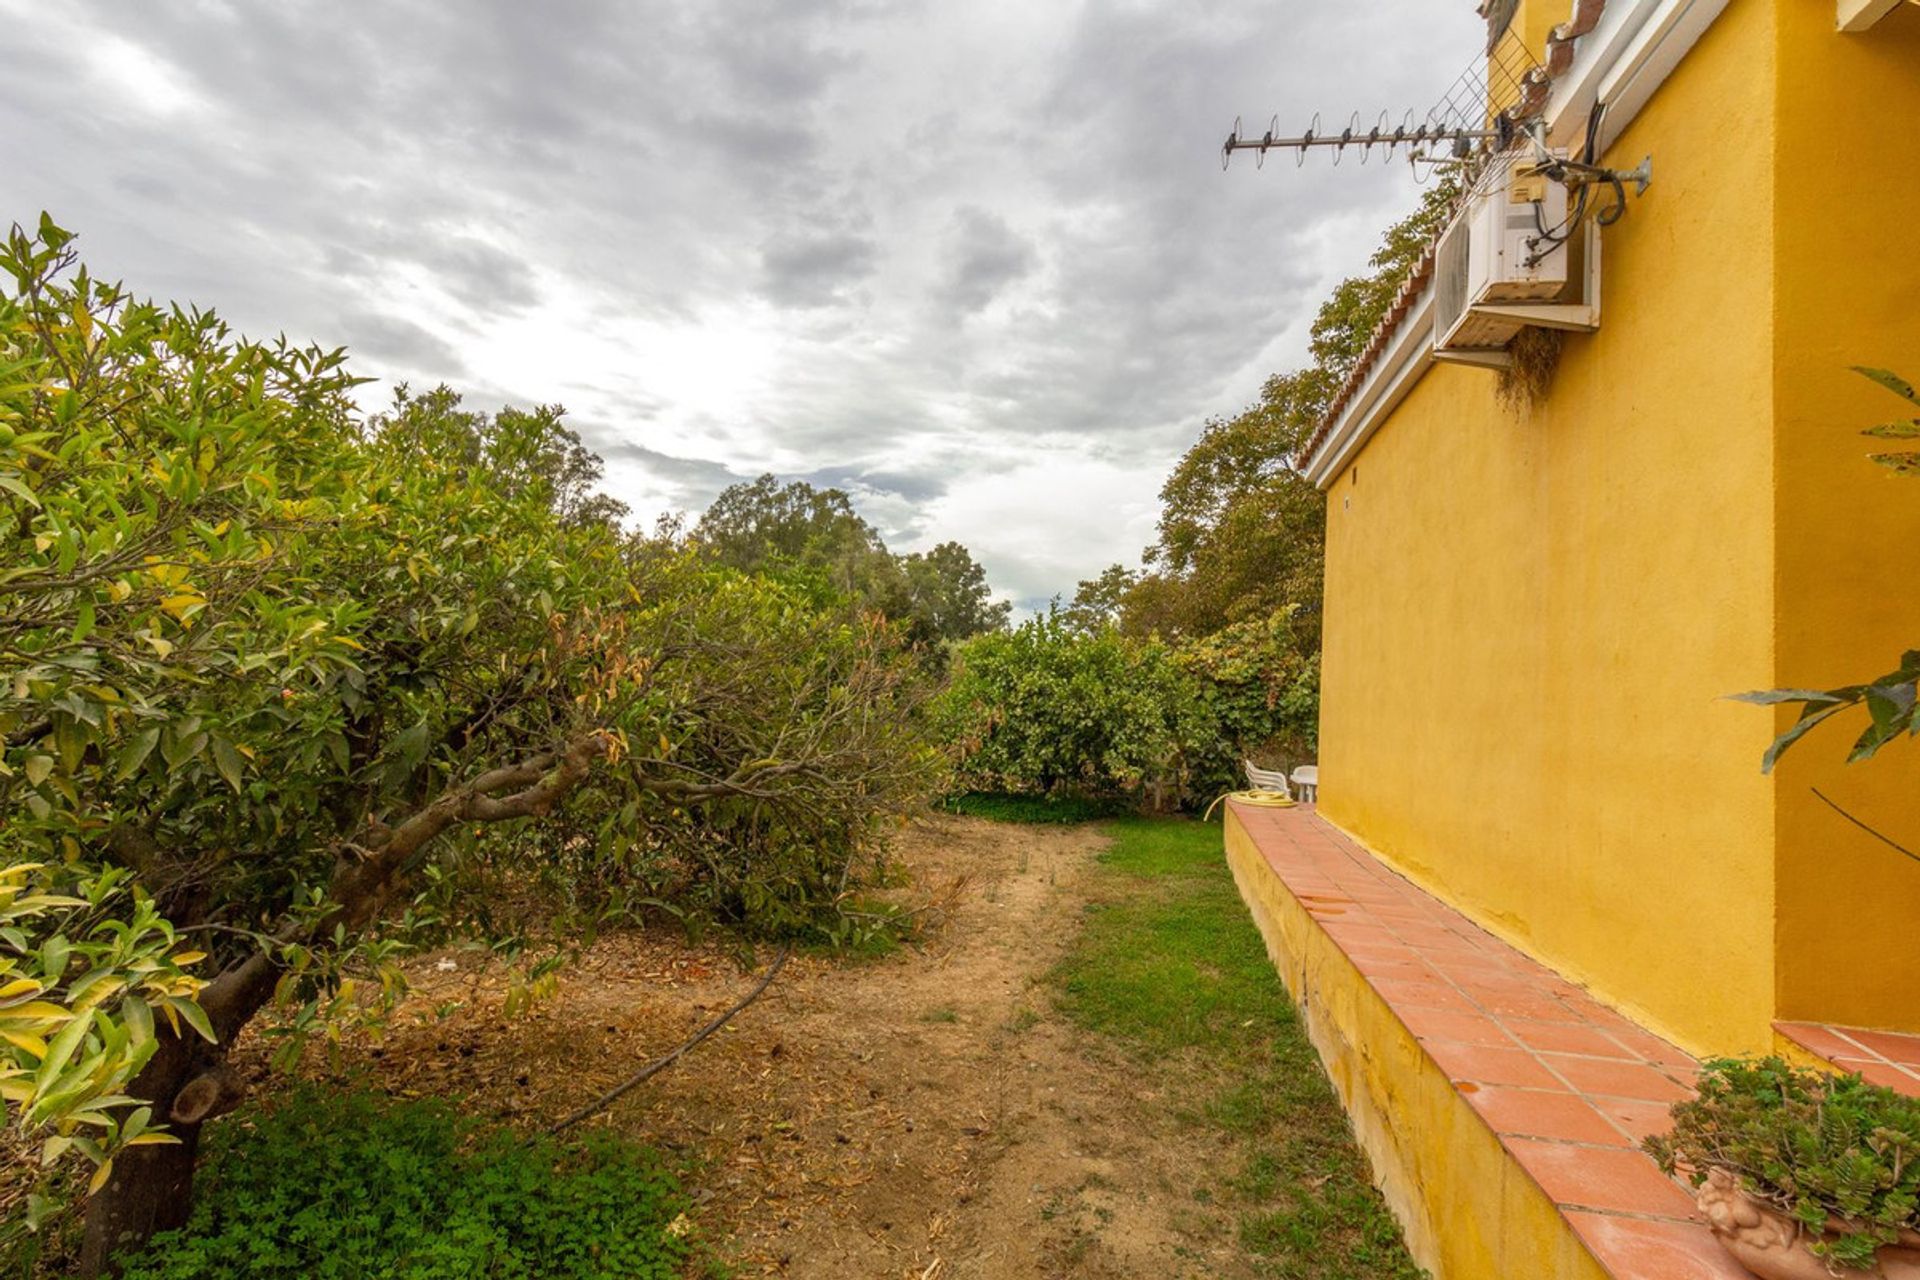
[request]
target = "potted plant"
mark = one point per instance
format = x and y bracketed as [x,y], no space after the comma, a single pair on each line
[1801,1175]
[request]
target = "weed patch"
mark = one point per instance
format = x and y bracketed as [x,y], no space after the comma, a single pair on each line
[345,1186]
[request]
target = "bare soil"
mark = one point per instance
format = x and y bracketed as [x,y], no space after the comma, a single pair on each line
[926,1114]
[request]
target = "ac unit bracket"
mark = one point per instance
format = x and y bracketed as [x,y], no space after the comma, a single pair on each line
[1477,357]
[1576,318]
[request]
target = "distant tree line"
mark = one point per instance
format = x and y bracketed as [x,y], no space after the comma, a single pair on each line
[815,540]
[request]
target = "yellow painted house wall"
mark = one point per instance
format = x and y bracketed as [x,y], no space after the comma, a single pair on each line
[1847,227]
[1532,615]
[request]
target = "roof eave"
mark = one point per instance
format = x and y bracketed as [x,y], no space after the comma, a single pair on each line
[1406,355]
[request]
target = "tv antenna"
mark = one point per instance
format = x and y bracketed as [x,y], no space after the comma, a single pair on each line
[1486,110]
[1421,139]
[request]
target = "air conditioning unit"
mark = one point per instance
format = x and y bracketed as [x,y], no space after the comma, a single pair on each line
[1495,273]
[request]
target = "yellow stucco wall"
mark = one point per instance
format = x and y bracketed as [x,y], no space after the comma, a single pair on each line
[1466,1208]
[1532,615]
[1847,227]
[1523,44]
[1535,20]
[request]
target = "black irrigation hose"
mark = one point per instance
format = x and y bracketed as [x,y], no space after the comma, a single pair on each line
[660,1064]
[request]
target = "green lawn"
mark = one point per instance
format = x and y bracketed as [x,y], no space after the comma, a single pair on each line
[1045,810]
[1171,967]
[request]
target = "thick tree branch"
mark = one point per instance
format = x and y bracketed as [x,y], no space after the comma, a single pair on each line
[740,783]
[361,883]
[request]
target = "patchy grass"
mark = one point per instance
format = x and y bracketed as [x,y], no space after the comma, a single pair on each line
[1171,967]
[1000,807]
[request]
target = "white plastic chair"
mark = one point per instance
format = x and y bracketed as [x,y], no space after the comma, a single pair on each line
[1307,779]
[1266,779]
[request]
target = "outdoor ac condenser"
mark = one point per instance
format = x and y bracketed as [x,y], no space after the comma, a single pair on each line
[1494,256]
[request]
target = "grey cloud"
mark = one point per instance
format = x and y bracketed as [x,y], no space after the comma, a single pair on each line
[396,341]
[988,255]
[667,466]
[934,243]
[477,273]
[807,270]
[909,486]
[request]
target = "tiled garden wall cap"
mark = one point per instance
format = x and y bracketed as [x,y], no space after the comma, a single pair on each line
[1774,1246]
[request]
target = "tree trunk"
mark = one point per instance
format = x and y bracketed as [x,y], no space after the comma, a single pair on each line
[187,1082]
[151,1189]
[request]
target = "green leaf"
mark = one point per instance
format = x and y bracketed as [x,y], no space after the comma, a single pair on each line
[1895,430]
[228,762]
[138,1017]
[1905,464]
[1791,736]
[54,236]
[54,953]
[1767,697]
[38,769]
[12,484]
[1890,703]
[135,752]
[410,746]
[59,1051]
[196,1016]
[1899,386]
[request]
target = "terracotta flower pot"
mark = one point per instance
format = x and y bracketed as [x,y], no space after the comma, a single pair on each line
[1774,1246]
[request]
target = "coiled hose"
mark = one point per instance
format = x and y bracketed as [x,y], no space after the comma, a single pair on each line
[1258,799]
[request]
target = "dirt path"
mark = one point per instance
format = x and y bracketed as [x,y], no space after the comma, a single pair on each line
[923,1115]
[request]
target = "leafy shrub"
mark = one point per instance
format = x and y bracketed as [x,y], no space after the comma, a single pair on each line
[333,1186]
[1259,695]
[1047,707]
[1816,1146]
[1055,707]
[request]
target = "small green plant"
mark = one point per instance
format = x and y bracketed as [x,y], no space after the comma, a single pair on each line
[1830,1151]
[333,1186]
[1023,1019]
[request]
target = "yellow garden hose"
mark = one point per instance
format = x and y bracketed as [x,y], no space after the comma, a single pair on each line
[1258,799]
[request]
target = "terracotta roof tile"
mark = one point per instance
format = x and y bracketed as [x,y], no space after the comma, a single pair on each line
[1534,91]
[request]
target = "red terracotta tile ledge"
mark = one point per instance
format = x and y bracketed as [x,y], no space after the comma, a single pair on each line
[1891,1058]
[1568,1086]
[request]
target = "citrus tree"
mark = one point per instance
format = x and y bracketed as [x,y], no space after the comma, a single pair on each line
[291,682]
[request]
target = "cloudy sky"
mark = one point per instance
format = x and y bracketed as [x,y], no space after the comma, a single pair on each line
[976,263]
